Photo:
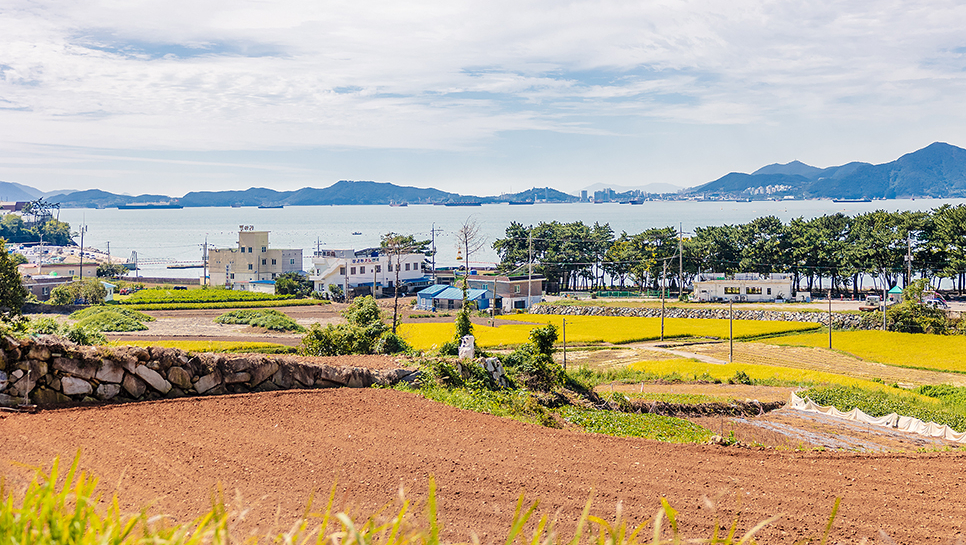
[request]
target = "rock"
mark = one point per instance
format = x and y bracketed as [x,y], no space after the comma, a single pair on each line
[303,374]
[4,381]
[236,378]
[179,377]
[153,378]
[3,360]
[175,393]
[108,391]
[9,401]
[262,372]
[16,374]
[208,382]
[38,353]
[75,368]
[45,396]
[110,371]
[283,378]
[75,386]
[54,383]
[134,386]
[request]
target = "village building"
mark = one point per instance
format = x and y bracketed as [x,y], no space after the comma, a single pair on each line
[500,293]
[41,285]
[439,297]
[367,272]
[251,260]
[751,287]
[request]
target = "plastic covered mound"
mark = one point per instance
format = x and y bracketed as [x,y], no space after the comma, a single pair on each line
[893,421]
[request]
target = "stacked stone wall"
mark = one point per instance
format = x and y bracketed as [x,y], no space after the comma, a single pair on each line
[845,321]
[49,370]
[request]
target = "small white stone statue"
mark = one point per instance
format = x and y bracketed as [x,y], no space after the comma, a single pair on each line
[467,350]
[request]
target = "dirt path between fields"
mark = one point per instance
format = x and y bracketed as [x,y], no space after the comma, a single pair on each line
[275,449]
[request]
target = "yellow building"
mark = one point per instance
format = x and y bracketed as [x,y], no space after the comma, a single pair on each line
[251,260]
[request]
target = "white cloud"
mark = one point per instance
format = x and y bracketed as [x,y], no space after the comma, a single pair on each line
[196,75]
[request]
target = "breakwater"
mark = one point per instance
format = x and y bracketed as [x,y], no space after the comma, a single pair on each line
[50,371]
[839,320]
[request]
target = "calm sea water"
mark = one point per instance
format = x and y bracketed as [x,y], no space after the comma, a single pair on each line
[164,236]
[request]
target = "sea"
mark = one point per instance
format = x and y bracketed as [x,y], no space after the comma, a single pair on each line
[165,238]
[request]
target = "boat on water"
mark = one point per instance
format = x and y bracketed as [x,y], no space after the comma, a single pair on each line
[519,202]
[271,206]
[356,233]
[851,200]
[150,206]
[463,204]
[236,205]
[398,204]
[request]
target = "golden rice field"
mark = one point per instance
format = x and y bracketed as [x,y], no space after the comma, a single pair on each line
[689,369]
[597,329]
[208,346]
[915,350]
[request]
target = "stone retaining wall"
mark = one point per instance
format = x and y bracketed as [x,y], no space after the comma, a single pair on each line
[49,370]
[845,321]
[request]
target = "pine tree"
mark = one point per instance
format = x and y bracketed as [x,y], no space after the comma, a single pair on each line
[12,292]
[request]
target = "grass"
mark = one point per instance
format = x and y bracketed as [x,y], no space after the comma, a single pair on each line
[71,514]
[648,426]
[215,346]
[686,399]
[514,404]
[883,402]
[270,319]
[90,311]
[598,329]
[912,350]
[228,304]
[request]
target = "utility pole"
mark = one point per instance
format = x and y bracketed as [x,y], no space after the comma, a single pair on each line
[108,252]
[884,295]
[680,260]
[908,259]
[529,267]
[731,330]
[204,258]
[830,319]
[433,232]
[565,344]
[83,230]
[663,279]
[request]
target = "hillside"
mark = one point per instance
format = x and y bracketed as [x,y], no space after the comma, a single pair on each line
[938,170]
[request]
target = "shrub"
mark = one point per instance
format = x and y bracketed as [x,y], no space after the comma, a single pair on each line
[532,364]
[80,334]
[44,326]
[89,291]
[391,343]
[109,320]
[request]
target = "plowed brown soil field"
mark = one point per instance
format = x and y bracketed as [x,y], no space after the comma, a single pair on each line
[276,449]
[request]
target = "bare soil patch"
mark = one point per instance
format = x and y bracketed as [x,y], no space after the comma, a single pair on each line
[276,449]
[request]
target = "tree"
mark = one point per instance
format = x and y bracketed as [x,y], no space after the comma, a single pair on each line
[293,283]
[110,270]
[12,293]
[396,245]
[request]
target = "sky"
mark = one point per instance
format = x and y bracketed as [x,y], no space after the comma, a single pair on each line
[473,97]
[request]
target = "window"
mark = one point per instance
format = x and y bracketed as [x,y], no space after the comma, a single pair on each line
[769,291]
[732,290]
[352,270]
[71,272]
[753,290]
[362,269]
[516,288]
[378,268]
[341,271]
[263,249]
[249,266]
[45,291]
[273,262]
[263,262]
[273,276]
[291,261]
[250,249]
[407,266]
[232,276]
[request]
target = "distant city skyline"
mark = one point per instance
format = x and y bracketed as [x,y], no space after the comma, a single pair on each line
[182,96]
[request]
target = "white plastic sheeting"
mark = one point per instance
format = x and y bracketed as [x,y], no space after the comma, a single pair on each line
[893,420]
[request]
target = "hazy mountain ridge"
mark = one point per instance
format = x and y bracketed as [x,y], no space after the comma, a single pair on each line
[938,170]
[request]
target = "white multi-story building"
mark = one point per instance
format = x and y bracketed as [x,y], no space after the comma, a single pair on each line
[352,270]
[743,287]
[252,260]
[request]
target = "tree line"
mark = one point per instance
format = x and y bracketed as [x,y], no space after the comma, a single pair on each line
[837,251]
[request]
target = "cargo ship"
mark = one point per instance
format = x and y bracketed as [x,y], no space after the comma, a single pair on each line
[150,206]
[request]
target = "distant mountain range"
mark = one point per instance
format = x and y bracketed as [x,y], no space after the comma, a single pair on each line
[938,170]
